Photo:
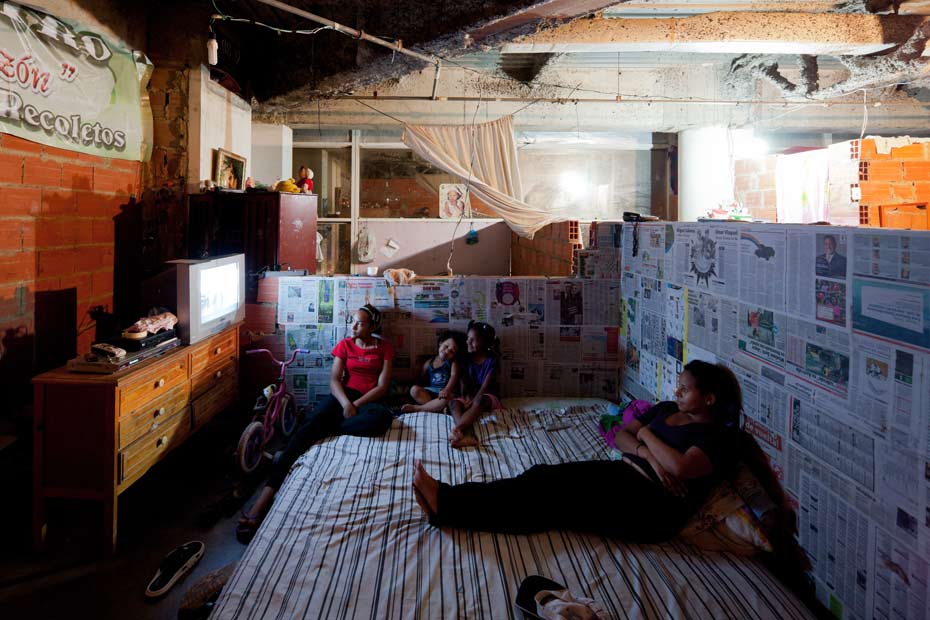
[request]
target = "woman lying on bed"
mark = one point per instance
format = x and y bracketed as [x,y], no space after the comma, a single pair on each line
[673,456]
[360,378]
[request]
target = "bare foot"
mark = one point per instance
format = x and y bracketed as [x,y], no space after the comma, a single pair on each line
[426,489]
[409,408]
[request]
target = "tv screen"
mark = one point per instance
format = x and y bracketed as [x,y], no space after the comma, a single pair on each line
[219,291]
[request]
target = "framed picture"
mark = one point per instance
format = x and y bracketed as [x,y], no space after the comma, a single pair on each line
[229,170]
[454,202]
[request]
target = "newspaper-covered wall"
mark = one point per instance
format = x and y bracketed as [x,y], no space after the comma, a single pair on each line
[559,337]
[828,330]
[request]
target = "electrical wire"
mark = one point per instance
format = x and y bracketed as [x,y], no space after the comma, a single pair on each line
[865,113]
[471,165]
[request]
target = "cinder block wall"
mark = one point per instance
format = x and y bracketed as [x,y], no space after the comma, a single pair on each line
[549,253]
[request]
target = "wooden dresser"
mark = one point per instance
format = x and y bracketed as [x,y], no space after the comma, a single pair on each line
[95,435]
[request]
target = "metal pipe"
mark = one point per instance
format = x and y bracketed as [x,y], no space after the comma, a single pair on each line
[357,34]
[563,100]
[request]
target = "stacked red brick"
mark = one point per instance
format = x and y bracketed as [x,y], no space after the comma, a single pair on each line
[549,253]
[754,186]
[56,228]
[899,177]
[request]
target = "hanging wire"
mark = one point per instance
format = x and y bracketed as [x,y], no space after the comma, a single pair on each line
[471,165]
[865,113]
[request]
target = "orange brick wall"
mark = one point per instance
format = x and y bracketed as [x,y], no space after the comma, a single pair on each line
[754,186]
[898,177]
[549,253]
[56,229]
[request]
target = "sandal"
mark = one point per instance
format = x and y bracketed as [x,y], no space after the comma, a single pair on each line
[174,566]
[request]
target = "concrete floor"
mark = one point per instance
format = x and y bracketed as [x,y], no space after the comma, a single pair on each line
[189,496]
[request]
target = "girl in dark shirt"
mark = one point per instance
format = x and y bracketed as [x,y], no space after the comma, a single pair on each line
[673,456]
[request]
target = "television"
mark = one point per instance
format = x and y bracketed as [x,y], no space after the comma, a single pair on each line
[211,295]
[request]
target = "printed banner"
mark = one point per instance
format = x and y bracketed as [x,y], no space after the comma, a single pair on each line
[64,85]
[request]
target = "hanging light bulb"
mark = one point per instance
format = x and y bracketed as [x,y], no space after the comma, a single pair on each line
[213,48]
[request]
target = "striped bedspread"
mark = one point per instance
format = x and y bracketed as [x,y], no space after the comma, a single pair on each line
[345,538]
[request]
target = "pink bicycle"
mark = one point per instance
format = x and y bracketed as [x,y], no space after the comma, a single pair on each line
[274,408]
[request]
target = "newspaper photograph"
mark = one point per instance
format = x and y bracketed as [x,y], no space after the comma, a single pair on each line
[820,355]
[703,320]
[565,302]
[706,258]
[314,338]
[469,299]
[901,578]
[892,255]
[431,301]
[652,249]
[563,345]
[599,383]
[600,344]
[520,378]
[763,267]
[833,528]
[845,448]
[602,302]
[508,298]
[762,334]
[892,311]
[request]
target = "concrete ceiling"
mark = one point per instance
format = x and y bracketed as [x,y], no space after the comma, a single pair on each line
[590,65]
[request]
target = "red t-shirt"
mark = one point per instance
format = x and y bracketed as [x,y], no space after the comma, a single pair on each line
[363,365]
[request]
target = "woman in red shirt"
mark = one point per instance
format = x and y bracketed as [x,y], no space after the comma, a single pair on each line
[360,377]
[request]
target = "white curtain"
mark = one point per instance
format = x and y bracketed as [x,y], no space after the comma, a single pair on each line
[801,187]
[485,155]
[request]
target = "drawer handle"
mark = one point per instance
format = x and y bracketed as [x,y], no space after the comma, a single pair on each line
[218,374]
[161,442]
[160,383]
[159,413]
[217,350]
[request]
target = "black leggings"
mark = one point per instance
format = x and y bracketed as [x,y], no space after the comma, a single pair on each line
[371,420]
[609,498]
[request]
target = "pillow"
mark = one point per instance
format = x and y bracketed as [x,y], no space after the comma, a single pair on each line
[725,523]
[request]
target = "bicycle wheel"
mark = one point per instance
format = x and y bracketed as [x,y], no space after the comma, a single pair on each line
[249,451]
[287,416]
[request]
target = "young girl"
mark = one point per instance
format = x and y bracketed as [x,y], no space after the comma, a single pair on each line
[479,384]
[441,375]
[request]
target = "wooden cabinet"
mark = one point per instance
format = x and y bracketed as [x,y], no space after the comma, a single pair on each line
[273,230]
[95,435]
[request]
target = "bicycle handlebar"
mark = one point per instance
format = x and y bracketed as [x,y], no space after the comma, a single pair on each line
[276,360]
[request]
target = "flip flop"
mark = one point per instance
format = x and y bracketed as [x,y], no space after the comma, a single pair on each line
[174,566]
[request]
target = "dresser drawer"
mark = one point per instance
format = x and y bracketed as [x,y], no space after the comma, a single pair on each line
[152,415]
[206,379]
[152,383]
[220,347]
[223,395]
[150,448]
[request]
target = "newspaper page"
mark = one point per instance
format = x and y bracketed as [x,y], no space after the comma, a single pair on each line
[728,344]
[652,339]
[401,336]
[560,379]
[680,260]
[819,355]
[584,267]
[703,320]
[632,309]
[886,392]
[706,257]
[599,383]
[762,334]
[318,339]
[608,235]
[652,295]
[892,254]
[765,403]
[565,302]
[631,250]
[676,327]
[892,310]
[762,266]
[563,344]
[900,508]
[309,383]
[298,300]
[600,344]
[901,578]
[521,378]
[845,448]
[523,342]
[431,301]
[602,302]
[669,369]
[837,539]
[469,299]
[649,373]
[607,264]
[508,298]
[817,285]
[652,250]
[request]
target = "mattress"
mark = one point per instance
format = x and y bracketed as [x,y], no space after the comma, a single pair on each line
[345,538]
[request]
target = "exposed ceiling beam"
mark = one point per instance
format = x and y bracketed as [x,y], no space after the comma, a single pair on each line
[831,34]
[553,9]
